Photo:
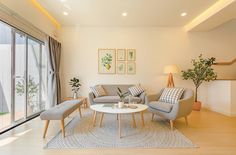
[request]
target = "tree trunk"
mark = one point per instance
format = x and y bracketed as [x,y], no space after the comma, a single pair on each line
[196,94]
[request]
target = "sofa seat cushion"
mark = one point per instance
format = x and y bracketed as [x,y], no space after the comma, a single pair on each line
[133,99]
[162,106]
[115,99]
[107,99]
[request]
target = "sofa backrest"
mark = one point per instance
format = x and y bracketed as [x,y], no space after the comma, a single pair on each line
[111,89]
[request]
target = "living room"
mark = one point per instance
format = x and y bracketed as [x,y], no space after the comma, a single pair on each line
[86,49]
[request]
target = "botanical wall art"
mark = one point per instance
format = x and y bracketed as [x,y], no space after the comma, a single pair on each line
[120,67]
[106,61]
[121,54]
[131,54]
[131,68]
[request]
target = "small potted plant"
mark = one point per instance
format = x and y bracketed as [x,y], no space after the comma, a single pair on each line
[202,71]
[75,86]
[122,96]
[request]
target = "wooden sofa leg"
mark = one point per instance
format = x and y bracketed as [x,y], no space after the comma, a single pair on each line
[63,128]
[153,116]
[171,125]
[45,128]
[186,120]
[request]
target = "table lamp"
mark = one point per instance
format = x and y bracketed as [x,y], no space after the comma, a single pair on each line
[171,69]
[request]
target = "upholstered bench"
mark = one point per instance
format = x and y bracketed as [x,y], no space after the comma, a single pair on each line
[60,112]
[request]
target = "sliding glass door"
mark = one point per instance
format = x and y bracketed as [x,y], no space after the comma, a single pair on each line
[33,77]
[23,76]
[20,75]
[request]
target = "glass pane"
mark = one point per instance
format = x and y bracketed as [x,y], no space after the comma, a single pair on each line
[44,78]
[20,63]
[33,96]
[5,76]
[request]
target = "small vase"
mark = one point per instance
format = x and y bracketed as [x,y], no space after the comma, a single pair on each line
[74,95]
[197,106]
[121,104]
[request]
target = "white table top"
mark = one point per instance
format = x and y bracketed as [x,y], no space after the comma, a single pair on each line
[116,110]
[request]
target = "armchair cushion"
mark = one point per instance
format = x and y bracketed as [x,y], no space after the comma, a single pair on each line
[171,95]
[162,106]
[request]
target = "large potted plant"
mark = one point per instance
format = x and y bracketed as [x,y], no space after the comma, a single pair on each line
[202,71]
[75,86]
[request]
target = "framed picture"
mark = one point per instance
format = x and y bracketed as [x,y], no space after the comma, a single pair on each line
[106,61]
[120,67]
[131,54]
[121,54]
[131,68]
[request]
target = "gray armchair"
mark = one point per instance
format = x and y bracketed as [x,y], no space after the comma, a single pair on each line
[171,111]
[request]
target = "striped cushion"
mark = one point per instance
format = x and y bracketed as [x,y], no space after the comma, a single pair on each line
[98,91]
[171,95]
[136,90]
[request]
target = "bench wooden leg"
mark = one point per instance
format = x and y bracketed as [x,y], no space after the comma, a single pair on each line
[63,128]
[80,112]
[45,128]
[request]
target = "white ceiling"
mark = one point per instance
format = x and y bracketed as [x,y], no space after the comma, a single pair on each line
[140,12]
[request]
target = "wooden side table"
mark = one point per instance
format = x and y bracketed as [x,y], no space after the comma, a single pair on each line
[84,100]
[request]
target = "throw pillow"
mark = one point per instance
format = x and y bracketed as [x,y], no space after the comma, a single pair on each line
[98,91]
[136,90]
[171,95]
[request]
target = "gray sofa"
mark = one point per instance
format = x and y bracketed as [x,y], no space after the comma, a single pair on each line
[171,111]
[112,97]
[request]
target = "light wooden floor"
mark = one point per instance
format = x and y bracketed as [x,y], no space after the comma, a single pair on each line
[214,133]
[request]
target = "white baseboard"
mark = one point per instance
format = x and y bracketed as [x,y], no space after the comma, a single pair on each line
[226,113]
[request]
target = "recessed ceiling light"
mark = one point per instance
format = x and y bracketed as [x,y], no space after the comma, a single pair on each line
[183,14]
[65,13]
[124,14]
[63,0]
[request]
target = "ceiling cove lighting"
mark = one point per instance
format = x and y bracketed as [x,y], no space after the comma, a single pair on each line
[183,14]
[124,14]
[44,11]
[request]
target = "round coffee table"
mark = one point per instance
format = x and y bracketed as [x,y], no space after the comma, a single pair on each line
[113,109]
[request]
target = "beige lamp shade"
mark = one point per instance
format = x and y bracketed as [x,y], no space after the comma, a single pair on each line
[171,69]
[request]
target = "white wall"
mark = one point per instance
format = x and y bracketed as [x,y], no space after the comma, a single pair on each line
[155,47]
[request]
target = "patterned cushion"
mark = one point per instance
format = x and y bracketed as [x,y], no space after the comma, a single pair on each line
[136,90]
[171,95]
[98,91]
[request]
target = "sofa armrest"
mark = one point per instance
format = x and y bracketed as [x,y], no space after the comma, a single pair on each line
[143,97]
[183,107]
[91,97]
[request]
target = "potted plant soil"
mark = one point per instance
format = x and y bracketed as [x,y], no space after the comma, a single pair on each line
[202,71]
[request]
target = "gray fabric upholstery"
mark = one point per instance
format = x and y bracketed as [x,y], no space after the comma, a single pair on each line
[111,91]
[162,106]
[60,111]
[180,109]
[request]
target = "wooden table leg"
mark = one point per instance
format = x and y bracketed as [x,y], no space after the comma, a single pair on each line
[94,118]
[119,117]
[134,123]
[80,114]
[142,118]
[153,116]
[101,119]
